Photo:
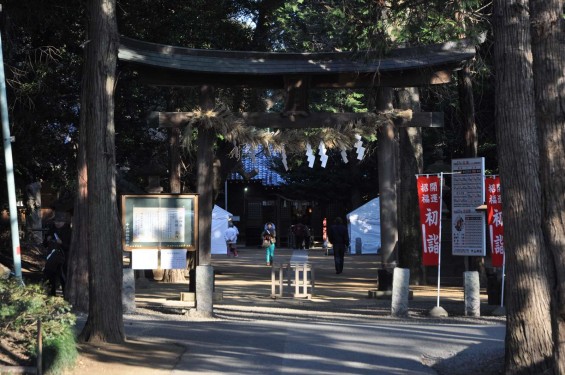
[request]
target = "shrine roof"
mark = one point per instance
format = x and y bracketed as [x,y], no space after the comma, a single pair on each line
[171,65]
[262,164]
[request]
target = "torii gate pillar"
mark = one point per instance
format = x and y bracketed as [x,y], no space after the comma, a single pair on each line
[204,270]
[387,162]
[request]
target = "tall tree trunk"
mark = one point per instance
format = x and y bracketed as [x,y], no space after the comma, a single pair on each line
[105,321]
[548,48]
[174,276]
[76,291]
[411,163]
[205,176]
[467,105]
[529,341]
[387,158]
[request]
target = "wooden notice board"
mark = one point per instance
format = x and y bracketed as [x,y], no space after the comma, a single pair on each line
[160,221]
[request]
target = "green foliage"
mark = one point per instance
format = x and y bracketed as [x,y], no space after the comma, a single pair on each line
[194,24]
[59,352]
[329,26]
[44,58]
[418,23]
[42,63]
[20,309]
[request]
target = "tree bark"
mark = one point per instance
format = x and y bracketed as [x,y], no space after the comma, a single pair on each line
[174,276]
[205,179]
[529,341]
[175,160]
[467,106]
[105,321]
[76,292]
[387,158]
[548,48]
[411,163]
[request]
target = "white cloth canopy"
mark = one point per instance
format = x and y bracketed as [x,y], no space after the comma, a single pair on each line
[364,224]
[220,219]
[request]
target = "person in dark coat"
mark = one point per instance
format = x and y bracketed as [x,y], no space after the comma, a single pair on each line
[299,231]
[53,272]
[58,243]
[339,238]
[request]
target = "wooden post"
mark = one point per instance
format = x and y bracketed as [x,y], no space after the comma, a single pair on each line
[387,161]
[204,187]
[39,349]
[174,275]
[468,111]
[410,164]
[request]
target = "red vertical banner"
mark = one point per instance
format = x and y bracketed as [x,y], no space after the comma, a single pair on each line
[429,197]
[494,220]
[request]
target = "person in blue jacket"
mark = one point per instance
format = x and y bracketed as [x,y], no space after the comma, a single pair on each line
[269,238]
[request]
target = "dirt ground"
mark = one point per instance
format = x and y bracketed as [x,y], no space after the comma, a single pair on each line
[247,281]
[134,357]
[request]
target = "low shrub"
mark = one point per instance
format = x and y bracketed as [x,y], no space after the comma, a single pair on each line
[20,309]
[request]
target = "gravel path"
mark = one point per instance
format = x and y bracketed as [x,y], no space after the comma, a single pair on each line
[245,284]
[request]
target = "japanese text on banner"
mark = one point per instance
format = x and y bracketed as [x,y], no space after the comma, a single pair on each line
[429,197]
[494,218]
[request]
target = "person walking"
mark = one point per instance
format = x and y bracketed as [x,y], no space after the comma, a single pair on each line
[269,238]
[307,237]
[339,238]
[231,239]
[298,229]
[58,243]
[53,272]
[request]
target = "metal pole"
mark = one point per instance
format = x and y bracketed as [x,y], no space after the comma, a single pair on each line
[439,255]
[503,276]
[10,171]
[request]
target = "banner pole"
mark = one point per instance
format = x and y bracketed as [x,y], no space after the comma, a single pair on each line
[439,250]
[9,164]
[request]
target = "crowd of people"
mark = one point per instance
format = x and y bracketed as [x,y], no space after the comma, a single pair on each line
[338,236]
[57,242]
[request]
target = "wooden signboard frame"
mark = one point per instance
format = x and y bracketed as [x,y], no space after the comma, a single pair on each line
[160,221]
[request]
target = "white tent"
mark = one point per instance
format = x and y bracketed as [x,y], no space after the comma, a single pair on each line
[364,224]
[220,218]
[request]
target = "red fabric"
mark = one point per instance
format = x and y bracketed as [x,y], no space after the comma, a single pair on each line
[429,197]
[494,217]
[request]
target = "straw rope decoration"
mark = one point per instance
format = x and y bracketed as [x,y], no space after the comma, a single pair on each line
[233,129]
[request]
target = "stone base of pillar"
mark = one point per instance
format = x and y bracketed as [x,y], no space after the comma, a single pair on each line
[205,290]
[472,293]
[400,292]
[128,291]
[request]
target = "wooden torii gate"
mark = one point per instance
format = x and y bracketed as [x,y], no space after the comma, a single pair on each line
[296,73]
